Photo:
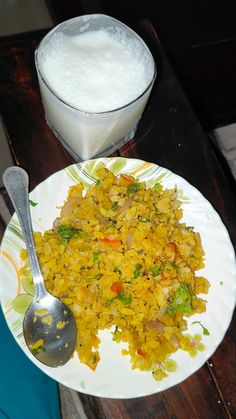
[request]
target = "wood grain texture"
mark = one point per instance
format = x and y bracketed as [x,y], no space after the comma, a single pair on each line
[170,135]
[195,398]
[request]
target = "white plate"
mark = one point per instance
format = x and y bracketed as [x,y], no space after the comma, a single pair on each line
[114,376]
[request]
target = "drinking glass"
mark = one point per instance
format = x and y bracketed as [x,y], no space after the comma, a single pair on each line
[92,134]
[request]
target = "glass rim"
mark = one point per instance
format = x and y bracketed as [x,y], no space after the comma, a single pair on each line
[64,102]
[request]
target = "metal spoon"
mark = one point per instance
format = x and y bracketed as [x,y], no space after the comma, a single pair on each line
[49,327]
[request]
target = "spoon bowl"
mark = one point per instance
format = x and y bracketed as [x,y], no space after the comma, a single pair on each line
[49,331]
[49,327]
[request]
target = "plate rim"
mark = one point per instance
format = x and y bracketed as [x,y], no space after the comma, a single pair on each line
[227,238]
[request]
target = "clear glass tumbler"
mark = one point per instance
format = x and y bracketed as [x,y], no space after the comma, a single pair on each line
[92,134]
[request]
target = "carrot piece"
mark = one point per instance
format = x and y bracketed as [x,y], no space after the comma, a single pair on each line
[117,287]
[171,251]
[141,352]
[110,242]
[125,180]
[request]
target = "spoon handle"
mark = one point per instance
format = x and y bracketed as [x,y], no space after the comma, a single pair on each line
[16,182]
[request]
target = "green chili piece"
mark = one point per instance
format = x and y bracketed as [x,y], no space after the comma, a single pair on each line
[133,187]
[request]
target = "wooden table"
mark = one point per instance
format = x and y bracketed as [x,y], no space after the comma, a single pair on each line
[170,135]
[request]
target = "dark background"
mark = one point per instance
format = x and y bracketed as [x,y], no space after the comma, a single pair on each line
[199,38]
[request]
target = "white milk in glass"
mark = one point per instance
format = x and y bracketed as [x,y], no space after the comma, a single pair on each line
[95,77]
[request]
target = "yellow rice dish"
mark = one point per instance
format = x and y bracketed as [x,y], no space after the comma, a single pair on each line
[120,258]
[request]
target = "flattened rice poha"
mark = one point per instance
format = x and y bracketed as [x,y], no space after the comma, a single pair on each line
[120,258]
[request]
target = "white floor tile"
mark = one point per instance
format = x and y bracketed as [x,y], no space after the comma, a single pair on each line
[226,136]
[18,16]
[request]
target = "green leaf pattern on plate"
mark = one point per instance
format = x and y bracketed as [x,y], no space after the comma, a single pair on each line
[27,284]
[152,172]
[153,181]
[12,243]
[117,165]
[16,328]
[89,169]
[21,302]
[161,370]
[14,227]
[75,176]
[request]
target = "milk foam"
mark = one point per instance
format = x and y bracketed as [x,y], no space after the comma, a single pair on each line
[95,71]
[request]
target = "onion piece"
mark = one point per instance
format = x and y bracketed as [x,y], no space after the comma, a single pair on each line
[129,240]
[160,313]
[103,220]
[153,324]
[56,224]
[126,205]
[175,341]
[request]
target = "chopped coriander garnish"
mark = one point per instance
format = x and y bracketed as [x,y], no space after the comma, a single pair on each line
[116,269]
[155,269]
[144,219]
[204,329]
[115,333]
[32,203]
[181,301]
[114,206]
[95,255]
[109,302]
[98,181]
[94,359]
[133,187]
[171,310]
[169,265]
[124,298]
[67,232]
[158,186]
[137,271]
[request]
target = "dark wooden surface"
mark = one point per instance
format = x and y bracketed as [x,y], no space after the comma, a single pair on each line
[199,38]
[170,135]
